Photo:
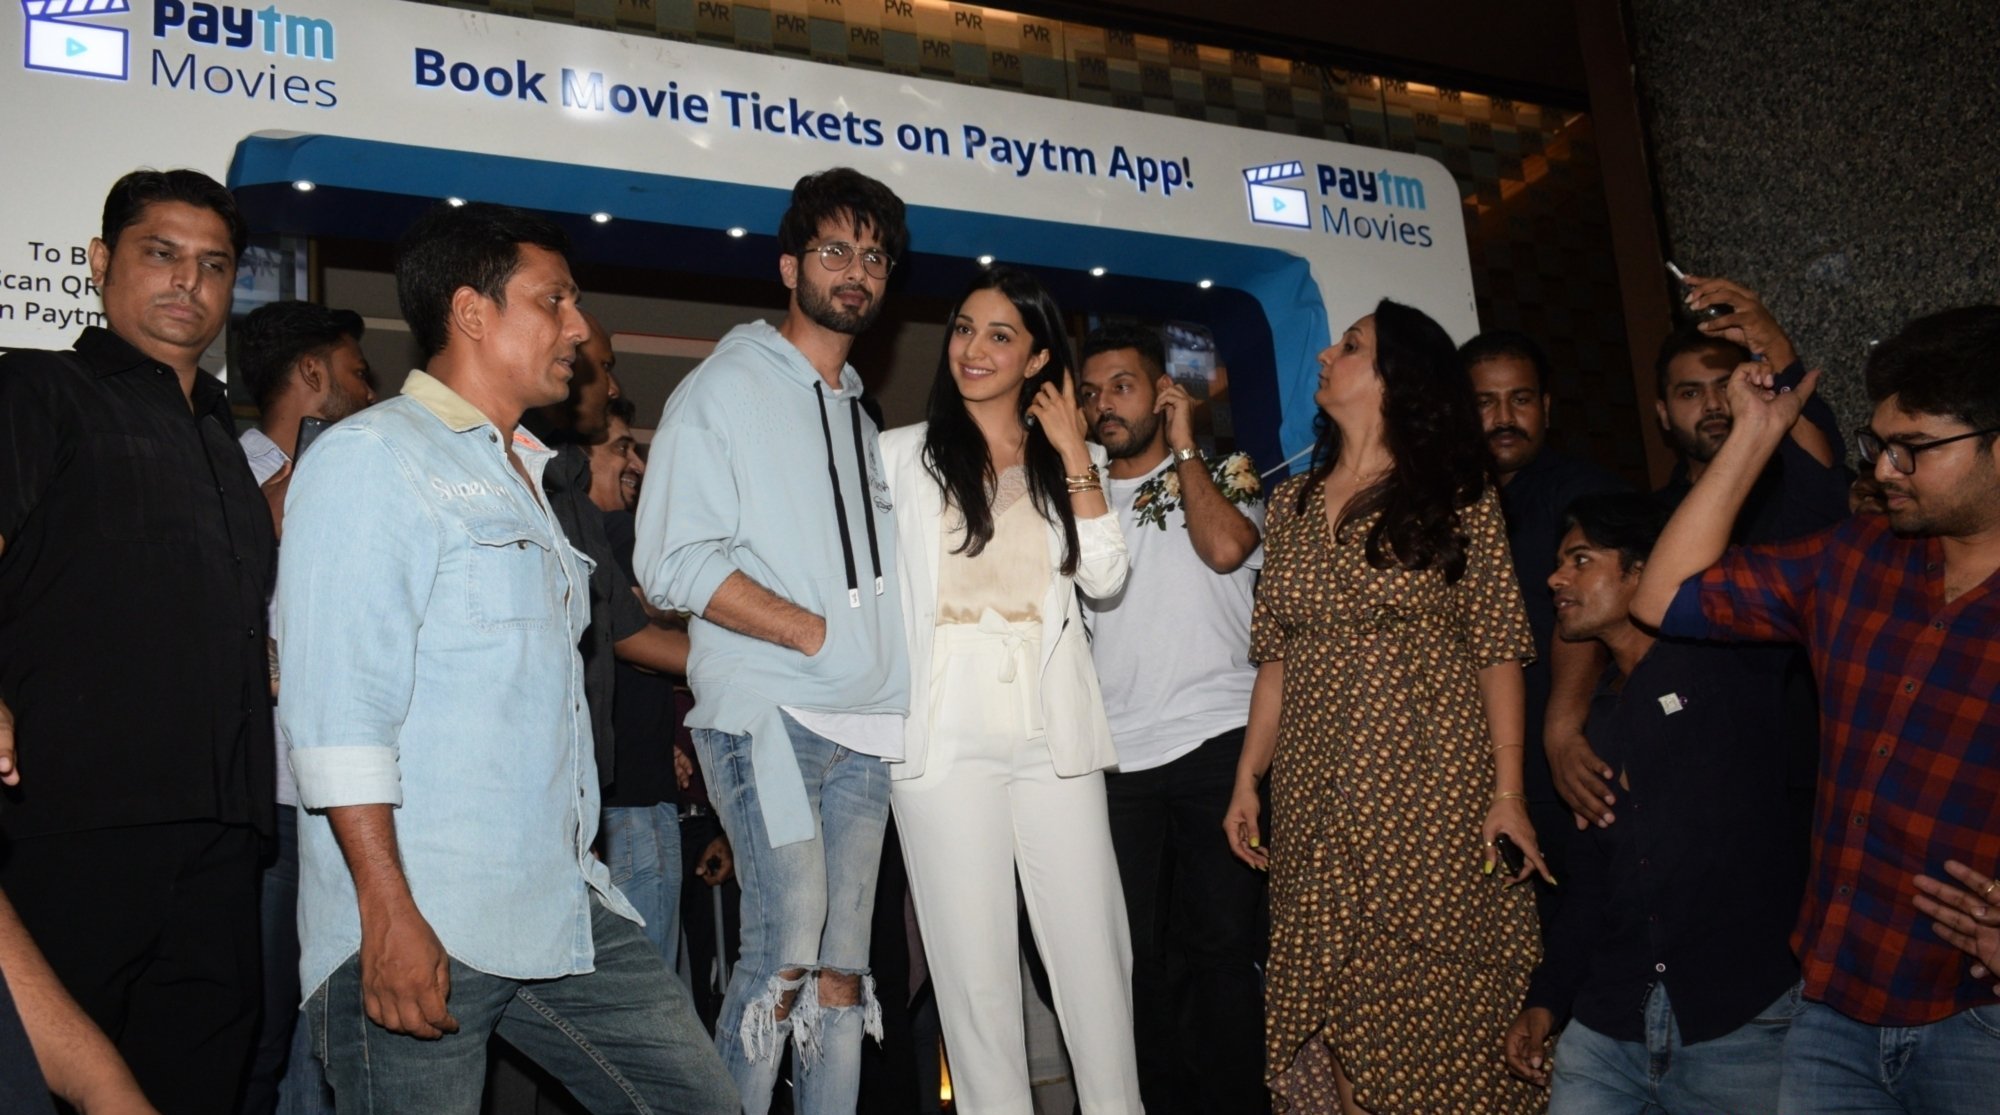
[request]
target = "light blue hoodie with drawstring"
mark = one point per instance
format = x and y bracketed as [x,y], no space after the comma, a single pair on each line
[758,467]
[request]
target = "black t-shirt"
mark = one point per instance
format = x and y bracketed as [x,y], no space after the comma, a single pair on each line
[139,555]
[1534,502]
[643,710]
[1698,881]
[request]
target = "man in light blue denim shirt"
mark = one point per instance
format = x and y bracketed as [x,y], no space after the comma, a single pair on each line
[428,620]
[768,517]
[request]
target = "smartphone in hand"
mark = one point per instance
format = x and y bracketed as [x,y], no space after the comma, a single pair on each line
[310,427]
[1712,310]
[1511,856]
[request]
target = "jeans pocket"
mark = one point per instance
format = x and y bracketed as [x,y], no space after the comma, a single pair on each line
[1785,1010]
[315,1020]
[1986,1019]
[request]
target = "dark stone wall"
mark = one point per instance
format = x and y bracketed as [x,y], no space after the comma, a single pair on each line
[1840,158]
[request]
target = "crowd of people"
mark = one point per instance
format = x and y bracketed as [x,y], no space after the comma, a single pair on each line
[1458,777]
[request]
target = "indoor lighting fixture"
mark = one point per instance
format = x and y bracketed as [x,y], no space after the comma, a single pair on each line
[304,186]
[1097,272]
[985,261]
[454,202]
[738,233]
[1205,283]
[601,217]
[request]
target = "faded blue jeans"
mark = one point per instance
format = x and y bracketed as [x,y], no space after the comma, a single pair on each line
[642,849]
[621,1038]
[806,909]
[1837,1066]
[1735,1074]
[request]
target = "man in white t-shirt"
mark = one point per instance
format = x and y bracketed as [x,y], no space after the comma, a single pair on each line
[297,360]
[1172,652]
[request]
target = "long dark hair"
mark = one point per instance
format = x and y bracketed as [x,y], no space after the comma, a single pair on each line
[955,449]
[1431,428]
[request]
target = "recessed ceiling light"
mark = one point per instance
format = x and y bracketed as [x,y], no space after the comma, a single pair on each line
[304,186]
[1097,272]
[601,217]
[454,202]
[1205,283]
[738,233]
[985,261]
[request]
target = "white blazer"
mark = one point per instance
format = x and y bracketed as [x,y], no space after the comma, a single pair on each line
[1079,736]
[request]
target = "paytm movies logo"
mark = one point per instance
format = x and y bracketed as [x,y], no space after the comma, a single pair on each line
[1277,205]
[59,44]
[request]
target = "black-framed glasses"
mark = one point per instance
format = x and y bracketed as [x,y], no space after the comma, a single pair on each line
[839,255]
[1902,454]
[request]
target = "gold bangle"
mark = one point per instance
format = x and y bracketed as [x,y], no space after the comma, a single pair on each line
[1503,795]
[1085,481]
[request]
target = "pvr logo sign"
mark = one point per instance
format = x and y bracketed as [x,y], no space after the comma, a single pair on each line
[1277,205]
[57,43]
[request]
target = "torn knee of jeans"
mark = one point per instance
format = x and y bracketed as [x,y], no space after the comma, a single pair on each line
[768,1017]
[834,989]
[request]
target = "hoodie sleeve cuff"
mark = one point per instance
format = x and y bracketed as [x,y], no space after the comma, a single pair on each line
[704,578]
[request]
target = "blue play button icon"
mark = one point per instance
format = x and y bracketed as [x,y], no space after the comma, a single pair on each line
[1277,203]
[72,48]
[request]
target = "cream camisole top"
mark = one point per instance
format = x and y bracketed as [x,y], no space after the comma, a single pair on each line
[1011,575]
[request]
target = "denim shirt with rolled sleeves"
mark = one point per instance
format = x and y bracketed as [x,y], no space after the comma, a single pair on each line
[428,619]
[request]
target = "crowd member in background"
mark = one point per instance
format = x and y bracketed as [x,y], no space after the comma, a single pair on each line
[428,616]
[1898,614]
[1172,650]
[797,664]
[1510,385]
[135,561]
[1669,959]
[298,360]
[47,1044]
[1802,489]
[1388,714]
[1002,520]
[617,466]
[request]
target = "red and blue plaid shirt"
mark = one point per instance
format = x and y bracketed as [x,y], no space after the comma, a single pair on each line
[1909,690]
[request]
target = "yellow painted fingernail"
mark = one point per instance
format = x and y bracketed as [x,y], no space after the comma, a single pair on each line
[1489,867]
[1253,842]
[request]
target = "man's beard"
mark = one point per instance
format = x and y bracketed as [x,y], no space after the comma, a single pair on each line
[821,308]
[339,404]
[1139,436]
[1699,445]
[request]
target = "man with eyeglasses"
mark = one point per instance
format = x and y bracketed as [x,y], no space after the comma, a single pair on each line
[1898,614]
[797,662]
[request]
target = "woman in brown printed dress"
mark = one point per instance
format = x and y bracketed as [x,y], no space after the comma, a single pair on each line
[1388,712]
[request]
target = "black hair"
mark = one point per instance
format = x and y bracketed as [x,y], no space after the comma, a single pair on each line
[1121,335]
[843,192]
[1627,522]
[625,410]
[1432,431]
[1719,352]
[1498,343]
[130,196]
[955,449]
[1946,363]
[475,245]
[271,340]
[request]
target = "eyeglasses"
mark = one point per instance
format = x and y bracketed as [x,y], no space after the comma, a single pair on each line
[838,255]
[1903,455]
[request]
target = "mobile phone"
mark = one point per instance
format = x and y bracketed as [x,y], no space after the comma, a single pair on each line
[1712,310]
[1510,853]
[310,427]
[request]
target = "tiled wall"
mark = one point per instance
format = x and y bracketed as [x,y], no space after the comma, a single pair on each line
[1527,173]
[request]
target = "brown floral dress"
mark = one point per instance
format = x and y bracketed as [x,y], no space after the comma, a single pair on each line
[1391,950]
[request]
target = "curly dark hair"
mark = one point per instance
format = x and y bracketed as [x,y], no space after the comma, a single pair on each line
[1431,427]
[955,450]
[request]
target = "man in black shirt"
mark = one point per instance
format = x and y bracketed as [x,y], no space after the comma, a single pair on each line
[1671,957]
[1510,382]
[136,554]
[1804,489]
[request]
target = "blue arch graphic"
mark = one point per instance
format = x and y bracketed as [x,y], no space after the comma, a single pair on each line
[1294,324]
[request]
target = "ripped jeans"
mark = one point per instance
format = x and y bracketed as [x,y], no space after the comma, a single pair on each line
[806,909]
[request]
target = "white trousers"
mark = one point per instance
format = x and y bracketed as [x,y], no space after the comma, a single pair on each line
[988,803]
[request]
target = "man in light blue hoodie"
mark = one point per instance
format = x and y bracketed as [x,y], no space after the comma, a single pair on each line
[769,518]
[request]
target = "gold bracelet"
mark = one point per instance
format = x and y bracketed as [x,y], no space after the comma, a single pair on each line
[1085,481]
[1503,795]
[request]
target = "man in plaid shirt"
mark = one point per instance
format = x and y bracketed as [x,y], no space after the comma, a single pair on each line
[1899,934]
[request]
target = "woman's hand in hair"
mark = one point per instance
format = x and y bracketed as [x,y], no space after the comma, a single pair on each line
[1055,411]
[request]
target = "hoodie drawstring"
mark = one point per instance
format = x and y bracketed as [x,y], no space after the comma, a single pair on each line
[840,503]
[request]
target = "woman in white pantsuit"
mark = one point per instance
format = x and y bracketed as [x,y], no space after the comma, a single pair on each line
[1000,516]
